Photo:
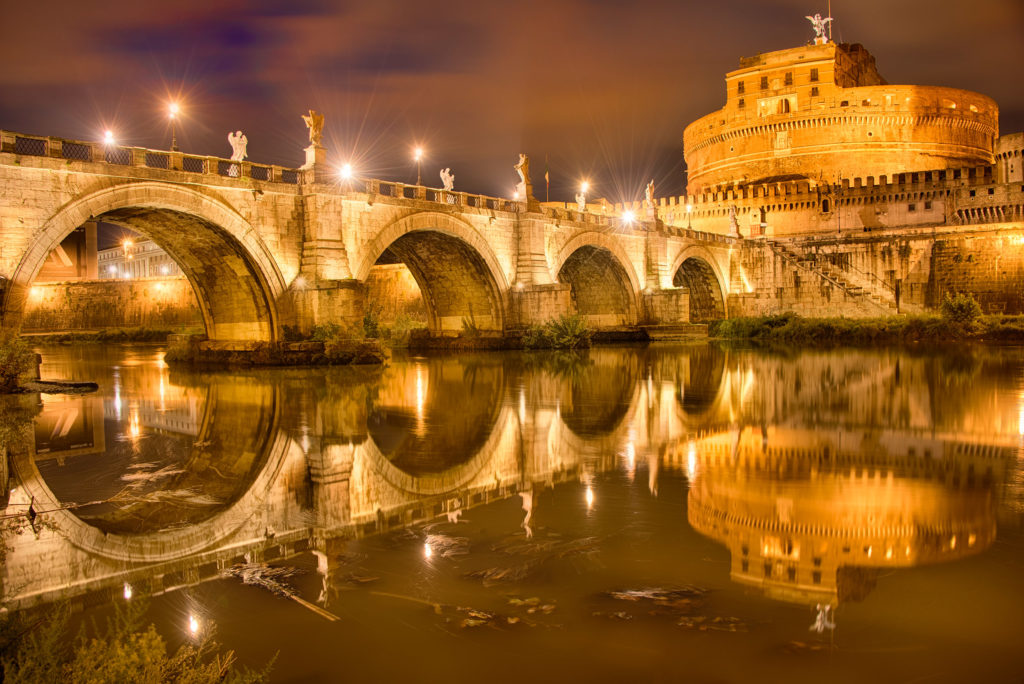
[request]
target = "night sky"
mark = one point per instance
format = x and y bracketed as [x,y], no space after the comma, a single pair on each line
[603,88]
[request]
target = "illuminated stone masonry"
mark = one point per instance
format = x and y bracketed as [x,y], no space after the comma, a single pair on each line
[266,247]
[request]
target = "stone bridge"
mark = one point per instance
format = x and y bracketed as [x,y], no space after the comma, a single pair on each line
[266,247]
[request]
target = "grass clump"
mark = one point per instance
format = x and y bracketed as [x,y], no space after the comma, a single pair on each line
[568,331]
[960,309]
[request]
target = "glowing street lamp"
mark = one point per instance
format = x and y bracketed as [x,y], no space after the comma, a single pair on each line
[628,216]
[108,137]
[173,110]
[345,172]
[689,210]
[418,156]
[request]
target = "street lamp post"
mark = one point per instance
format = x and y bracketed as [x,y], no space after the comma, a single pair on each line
[418,154]
[173,111]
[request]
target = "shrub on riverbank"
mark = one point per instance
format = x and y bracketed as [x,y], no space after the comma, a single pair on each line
[564,332]
[790,328]
[46,651]
[16,358]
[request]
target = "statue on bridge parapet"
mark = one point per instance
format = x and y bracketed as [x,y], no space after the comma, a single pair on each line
[524,189]
[316,155]
[447,179]
[238,143]
[315,123]
[649,199]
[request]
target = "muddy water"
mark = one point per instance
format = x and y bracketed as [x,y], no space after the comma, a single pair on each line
[662,514]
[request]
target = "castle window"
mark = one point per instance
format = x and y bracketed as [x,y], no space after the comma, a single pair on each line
[741,104]
[911,207]
[789,78]
[764,83]
[768,569]
[745,566]
[741,87]
[814,75]
[844,103]
[991,191]
[814,91]
[973,193]
[927,205]
[783,106]
[816,577]
[791,573]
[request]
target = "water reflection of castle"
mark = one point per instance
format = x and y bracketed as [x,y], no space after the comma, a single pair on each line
[817,515]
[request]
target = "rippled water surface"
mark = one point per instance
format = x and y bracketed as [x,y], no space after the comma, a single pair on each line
[676,513]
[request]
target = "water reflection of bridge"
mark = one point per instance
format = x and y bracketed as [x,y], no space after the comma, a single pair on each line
[809,497]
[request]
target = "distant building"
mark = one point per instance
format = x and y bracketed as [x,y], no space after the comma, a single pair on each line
[136,259]
[823,112]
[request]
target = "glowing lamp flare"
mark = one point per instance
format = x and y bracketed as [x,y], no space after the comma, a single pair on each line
[108,137]
[590,497]
[418,154]
[346,171]
[193,625]
[127,592]
[173,108]
[584,186]
[628,216]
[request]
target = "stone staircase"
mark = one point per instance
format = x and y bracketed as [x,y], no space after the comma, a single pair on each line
[860,287]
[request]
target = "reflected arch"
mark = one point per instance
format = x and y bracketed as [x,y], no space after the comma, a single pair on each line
[603,285]
[598,401]
[458,274]
[235,278]
[697,270]
[167,544]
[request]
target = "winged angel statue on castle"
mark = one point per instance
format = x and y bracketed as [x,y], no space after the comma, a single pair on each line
[820,25]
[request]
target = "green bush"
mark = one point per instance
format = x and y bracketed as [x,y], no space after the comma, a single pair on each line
[565,332]
[961,309]
[16,358]
[44,651]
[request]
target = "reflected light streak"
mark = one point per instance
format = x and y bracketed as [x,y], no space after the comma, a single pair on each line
[691,461]
[127,591]
[427,551]
[421,399]
[590,497]
[133,427]
[193,625]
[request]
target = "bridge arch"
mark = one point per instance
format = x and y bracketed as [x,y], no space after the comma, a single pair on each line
[456,270]
[605,288]
[234,275]
[697,270]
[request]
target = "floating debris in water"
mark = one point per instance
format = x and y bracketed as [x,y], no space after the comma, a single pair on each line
[262,575]
[447,546]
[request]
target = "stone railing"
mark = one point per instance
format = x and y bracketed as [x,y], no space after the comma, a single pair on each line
[98,152]
[381,188]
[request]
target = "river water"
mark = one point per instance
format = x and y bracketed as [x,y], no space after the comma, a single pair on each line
[671,513]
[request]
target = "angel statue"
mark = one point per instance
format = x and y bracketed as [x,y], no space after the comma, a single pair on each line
[649,193]
[523,169]
[238,142]
[448,179]
[315,124]
[819,25]
[581,201]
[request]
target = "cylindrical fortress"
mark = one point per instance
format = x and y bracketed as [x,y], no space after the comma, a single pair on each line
[822,112]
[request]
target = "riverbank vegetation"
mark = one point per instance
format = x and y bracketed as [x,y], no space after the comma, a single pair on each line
[565,332]
[110,335]
[44,650]
[960,319]
[16,359]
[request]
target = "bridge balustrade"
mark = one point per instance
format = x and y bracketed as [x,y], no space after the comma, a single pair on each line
[158,160]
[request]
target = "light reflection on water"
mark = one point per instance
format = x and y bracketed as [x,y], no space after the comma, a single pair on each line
[844,506]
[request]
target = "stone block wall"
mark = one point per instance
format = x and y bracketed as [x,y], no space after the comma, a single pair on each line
[75,305]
